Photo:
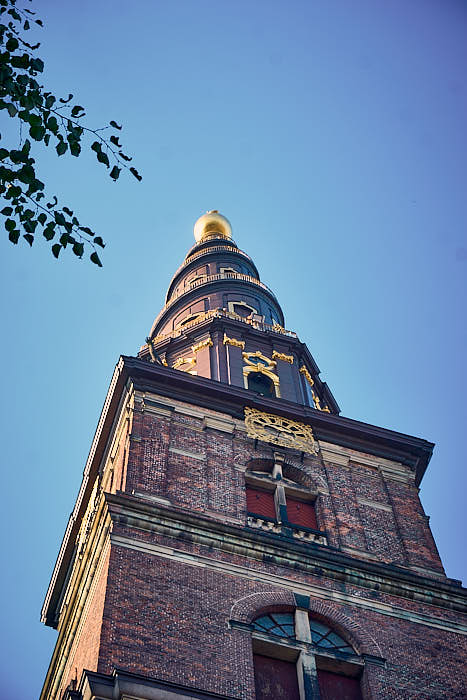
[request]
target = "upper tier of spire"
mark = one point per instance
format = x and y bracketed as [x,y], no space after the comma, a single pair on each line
[221,321]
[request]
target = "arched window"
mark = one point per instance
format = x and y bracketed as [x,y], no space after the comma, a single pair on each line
[299,657]
[259,382]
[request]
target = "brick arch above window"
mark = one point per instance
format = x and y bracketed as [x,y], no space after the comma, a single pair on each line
[251,606]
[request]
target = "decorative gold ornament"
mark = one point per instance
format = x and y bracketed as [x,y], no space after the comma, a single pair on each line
[233,341]
[255,359]
[212,224]
[303,370]
[280,356]
[280,431]
[183,361]
[207,343]
[277,328]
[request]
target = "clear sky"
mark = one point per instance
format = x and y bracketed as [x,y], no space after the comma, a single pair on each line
[332,134]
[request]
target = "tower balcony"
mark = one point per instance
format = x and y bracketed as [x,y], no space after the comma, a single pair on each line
[222,313]
[209,279]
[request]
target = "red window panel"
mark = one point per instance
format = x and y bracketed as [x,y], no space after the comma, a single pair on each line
[260,502]
[301,513]
[275,679]
[333,686]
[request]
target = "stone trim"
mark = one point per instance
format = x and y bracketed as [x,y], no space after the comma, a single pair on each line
[374,504]
[313,590]
[186,453]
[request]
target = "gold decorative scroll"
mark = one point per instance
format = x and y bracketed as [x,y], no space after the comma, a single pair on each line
[254,359]
[280,431]
[315,396]
[233,341]
[183,361]
[307,375]
[207,343]
[280,356]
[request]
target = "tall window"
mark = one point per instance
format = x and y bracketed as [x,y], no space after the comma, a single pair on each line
[298,657]
[261,384]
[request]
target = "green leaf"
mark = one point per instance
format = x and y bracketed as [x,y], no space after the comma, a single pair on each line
[134,172]
[115,125]
[61,147]
[64,102]
[26,146]
[49,101]
[12,44]
[4,153]
[56,248]
[98,241]
[49,232]
[29,237]
[37,132]
[59,218]
[20,61]
[78,249]
[52,124]
[96,146]
[67,211]
[42,218]
[114,140]
[14,236]
[11,109]
[115,172]
[76,110]
[95,259]
[26,174]
[103,158]
[127,158]
[26,25]
[37,64]
[10,224]
[7,211]
[75,148]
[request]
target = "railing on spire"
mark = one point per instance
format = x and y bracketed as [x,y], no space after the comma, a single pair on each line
[222,313]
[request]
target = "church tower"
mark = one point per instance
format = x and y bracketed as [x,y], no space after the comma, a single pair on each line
[234,537]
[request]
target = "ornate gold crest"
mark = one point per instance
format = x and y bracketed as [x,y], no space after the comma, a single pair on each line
[280,431]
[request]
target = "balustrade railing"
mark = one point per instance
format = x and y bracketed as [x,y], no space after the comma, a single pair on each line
[299,532]
[222,313]
[207,279]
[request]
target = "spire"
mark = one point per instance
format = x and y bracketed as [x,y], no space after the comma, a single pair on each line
[220,321]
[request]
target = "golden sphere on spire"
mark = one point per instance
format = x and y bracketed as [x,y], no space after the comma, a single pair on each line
[212,224]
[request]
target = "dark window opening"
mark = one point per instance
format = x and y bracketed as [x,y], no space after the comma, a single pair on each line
[275,679]
[257,381]
[334,686]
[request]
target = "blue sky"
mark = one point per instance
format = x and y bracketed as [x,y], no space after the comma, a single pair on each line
[332,135]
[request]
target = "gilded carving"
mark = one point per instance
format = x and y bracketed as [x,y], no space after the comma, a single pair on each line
[233,341]
[207,343]
[303,370]
[255,359]
[183,361]
[307,375]
[280,431]
[281,356]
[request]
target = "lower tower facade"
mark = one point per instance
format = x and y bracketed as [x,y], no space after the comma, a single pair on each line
[234,536]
